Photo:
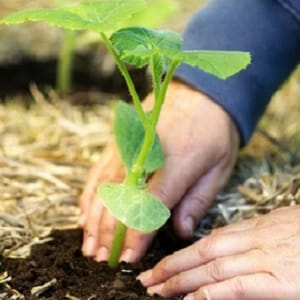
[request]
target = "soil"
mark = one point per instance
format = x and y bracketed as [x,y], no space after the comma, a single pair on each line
[78,277]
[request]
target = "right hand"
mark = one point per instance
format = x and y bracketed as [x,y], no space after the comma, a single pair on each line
[201,144]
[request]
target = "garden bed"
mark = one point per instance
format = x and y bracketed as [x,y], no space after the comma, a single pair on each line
[48,144]
[47,148]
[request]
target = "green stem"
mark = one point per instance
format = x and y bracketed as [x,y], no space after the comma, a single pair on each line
[161,94]
[65,62]
[150,131]
[138,167]
[155,78]
[135,98]
[120,233]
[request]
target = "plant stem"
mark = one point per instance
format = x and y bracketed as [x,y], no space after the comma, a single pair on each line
[156,79]
[134,95]
[65,62]
[138,167]
[150,131]
[161,95]
[117,244]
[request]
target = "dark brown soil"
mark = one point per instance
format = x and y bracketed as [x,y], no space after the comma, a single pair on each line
[78,276]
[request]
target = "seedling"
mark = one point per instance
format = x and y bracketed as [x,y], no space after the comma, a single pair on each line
[135,129]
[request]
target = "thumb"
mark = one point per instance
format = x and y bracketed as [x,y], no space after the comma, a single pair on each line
[197,200]
[168,184]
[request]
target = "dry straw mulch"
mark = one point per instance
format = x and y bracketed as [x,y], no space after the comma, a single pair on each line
[47,148]
[45,153]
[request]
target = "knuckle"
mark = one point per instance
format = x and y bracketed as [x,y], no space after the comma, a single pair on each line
[106,228]
[216,269]
[173,285]
[161,193]
[206,247]
[202,200]
[90,229]
[217,231]
[165,268]
[224,152]
[237,288]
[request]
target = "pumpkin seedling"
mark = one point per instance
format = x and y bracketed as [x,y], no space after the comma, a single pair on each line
[135,129]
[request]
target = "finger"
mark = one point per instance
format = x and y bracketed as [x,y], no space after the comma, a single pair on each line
[238,226]
[197,200]
[260,286]
[217,270]
[163,181]
[106,231]
[91,228]
[88,193]
[109,169]
[200,253]
[135,245]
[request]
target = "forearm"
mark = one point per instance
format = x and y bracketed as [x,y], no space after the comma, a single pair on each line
[269,30]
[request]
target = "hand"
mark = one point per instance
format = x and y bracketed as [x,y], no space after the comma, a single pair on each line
[255,259]
[200,143]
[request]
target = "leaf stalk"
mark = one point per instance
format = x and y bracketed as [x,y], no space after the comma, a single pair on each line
[132,90]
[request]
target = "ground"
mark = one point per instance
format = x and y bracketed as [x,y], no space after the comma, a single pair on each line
[69,275]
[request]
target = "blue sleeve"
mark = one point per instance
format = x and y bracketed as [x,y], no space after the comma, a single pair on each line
[269,30]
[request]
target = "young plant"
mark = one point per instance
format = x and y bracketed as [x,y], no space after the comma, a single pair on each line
[64,68]
[135,129]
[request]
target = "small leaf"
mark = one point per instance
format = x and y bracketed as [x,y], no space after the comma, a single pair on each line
[138,44]
[129,134]
[96,15]
[135,208]
[218,63]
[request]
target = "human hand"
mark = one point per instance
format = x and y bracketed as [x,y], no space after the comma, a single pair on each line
[256,259]
[200,143]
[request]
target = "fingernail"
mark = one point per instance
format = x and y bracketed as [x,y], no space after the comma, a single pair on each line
[155,289]
[127,256]
[206,294]
[90,246]
[102,254]
[145,277]
[189,297]
[81,220]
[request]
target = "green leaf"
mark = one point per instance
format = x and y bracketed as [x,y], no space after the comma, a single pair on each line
[218,63]
[96,15]
[137,45]
[135,208]
[157,12]
[129,134]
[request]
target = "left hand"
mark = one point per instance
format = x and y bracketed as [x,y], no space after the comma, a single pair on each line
[256,259]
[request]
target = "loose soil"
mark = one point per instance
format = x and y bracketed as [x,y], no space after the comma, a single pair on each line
[78,277]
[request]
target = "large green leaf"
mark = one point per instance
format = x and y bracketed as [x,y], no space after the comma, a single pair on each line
[96,15]
[137,45]
[134,207]
[218,63]
[129,134]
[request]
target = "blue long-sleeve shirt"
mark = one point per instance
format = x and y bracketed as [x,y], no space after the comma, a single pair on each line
[269,30]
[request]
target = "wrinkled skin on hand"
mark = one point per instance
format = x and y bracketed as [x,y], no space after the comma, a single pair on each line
[200,142]
[256,259]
